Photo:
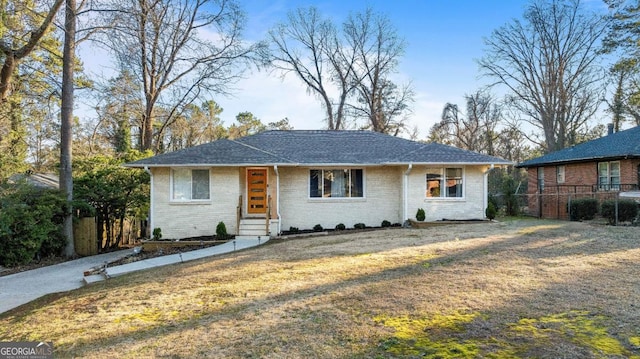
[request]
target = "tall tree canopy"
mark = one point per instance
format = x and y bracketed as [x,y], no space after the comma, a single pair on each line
[623,38]
[476,130]
[549,64]
[179,50]
[349,69]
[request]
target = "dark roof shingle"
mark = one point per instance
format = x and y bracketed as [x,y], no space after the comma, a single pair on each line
[317,148]
[623,144]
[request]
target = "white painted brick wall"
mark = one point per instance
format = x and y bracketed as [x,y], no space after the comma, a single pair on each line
[383,200]
[183,220]
[469,207]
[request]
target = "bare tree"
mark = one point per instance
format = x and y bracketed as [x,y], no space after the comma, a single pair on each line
[549,65]
[179,50]
[378,48]
[476,130]
[309,47]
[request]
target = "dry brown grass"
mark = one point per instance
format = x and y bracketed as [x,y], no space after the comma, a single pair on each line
[523,288]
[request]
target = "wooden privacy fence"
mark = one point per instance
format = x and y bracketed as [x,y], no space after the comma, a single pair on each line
[85,235]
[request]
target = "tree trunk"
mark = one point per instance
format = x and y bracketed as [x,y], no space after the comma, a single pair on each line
[6,74]
[66,119]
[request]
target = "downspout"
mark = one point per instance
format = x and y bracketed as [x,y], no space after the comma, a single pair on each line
[275,169]
[405,194]
[151,227]
[485,200]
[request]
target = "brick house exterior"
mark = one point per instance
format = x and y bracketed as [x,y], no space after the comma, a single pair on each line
[272,181]
[601,169]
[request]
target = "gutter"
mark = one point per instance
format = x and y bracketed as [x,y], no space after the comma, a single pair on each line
[485,184]
[405,195]
[151,222]
[275,169]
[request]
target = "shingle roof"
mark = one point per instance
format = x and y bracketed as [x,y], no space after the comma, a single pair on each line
[317,148]
[623,144]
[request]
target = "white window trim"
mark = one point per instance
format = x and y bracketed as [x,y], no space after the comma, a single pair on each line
[609,186]
[448,199]
[190,201]
[561,169]
[337,199]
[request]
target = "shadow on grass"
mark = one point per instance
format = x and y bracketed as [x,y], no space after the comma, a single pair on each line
[532,244]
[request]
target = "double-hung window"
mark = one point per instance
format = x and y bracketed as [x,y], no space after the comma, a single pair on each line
[190,184]
[609,176]
[445,183]
[336,183]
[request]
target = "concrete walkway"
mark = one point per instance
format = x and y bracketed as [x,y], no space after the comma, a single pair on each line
[24,287]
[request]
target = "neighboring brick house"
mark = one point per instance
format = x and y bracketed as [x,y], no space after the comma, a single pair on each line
[599,168]
[266,183]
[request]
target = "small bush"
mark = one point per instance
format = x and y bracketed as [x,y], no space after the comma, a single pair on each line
[318,228]
[583,209]
[157,234]
[420,215]
[385,224]
[340,226]
[294,230]
[359,226]
[490,211]
[627,210]
[221,230]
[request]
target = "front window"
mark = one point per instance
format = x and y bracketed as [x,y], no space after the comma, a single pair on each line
[336,183]
[444,182]
[190,184]
[609,176]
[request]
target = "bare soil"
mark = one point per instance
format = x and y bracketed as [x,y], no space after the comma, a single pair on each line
[520,288]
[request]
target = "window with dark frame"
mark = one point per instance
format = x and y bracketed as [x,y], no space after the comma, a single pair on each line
[190,184]
[336,183]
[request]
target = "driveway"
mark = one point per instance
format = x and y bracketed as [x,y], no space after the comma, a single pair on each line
[20,288]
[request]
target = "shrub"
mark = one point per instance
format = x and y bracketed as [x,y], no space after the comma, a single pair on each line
[340,226]
[509,187]
[420,215]
[627,210]
[221,230]
[385,224]
[490,211]
[583,209]
[359,226]
[293,230]
[157,234]
[317,228]
[30,223]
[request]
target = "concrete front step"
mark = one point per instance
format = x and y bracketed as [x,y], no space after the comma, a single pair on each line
[254,227]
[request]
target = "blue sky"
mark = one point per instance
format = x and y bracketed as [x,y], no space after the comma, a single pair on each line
[444,40]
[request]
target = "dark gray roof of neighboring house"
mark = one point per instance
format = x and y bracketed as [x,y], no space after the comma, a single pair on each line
[317,148]
[41,180]
[623,144]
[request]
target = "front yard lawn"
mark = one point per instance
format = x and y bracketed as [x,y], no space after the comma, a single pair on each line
[520,288]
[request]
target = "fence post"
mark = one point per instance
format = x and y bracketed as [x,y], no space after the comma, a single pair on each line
[617,197]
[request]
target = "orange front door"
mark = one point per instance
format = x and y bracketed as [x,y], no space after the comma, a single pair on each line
[257,191]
